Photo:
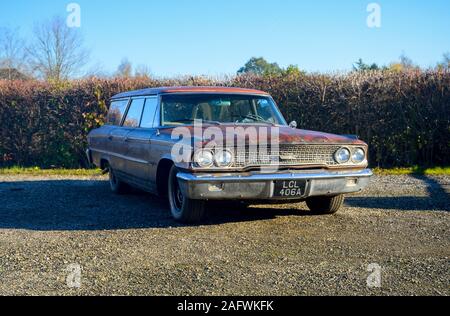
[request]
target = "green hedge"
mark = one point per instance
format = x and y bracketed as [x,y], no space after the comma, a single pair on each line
[405,117]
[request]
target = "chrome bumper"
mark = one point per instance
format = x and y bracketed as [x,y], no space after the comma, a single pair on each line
[260,186]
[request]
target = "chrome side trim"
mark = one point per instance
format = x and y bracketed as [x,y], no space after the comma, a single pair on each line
[120,156]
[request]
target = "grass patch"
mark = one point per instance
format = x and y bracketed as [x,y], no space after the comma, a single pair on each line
[36,171]
[414,170]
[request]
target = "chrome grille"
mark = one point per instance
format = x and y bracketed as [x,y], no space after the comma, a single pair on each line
[287,155]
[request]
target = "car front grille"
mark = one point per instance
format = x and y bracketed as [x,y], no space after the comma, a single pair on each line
[286,155]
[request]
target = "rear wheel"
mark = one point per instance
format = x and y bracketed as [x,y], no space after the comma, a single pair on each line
[117,186]
[325,204]
[182,208]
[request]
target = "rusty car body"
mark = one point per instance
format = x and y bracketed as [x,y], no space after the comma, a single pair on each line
[136,147]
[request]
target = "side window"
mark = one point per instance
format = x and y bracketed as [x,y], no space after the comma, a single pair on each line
[134,113]
[148,117]
[116,112]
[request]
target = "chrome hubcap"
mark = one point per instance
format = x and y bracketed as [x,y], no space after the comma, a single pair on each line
[177,195]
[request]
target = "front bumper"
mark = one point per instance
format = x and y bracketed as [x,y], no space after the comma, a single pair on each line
[261,186]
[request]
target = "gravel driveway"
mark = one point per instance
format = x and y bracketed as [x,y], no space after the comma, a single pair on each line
[71,236]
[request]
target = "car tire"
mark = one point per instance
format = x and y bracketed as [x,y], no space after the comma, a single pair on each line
[183,209]
[325,204]
[117,186]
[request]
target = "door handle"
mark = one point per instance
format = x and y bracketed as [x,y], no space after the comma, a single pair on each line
[110,138]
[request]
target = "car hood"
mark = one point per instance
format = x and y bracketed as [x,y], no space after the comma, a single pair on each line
[286,135]
[289,135]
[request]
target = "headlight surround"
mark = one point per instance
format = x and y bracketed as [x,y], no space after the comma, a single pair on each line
[343,155]
[359,155]
[204,158]
[223,158]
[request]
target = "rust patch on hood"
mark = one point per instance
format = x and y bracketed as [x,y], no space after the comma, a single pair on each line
[286,135]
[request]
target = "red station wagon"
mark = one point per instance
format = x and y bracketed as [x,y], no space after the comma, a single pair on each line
[199,144]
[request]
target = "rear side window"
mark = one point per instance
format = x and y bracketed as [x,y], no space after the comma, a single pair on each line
[148,117]
[134,114]
[116,112]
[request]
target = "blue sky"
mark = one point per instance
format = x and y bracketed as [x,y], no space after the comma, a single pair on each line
[215,37]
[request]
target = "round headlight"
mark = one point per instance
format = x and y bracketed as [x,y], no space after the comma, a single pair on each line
[204,158]
[359,155]
[342,155]
[223,158]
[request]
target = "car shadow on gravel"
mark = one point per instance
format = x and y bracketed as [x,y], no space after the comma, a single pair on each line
[438,199]
[77,205]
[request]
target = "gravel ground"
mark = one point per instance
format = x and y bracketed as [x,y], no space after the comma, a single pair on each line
[129,244]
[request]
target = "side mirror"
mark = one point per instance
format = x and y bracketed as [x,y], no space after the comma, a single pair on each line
[293,124]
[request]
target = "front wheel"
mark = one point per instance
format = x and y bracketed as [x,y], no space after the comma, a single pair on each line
[325,204]
[182,208]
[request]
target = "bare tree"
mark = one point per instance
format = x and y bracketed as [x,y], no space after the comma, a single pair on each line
[125,68]
[406,62]
[446,60]
[57,52]
[96,70]
[12,54]
[142,71]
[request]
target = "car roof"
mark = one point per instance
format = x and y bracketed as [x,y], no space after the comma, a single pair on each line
[168,90]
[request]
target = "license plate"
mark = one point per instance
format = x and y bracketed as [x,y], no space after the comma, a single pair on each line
[290,188]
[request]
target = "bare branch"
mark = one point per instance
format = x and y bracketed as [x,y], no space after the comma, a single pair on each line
[12,54]
[142,71]
[125,69]
[57,52]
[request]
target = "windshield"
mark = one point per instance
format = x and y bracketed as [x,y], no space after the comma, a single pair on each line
[217,109]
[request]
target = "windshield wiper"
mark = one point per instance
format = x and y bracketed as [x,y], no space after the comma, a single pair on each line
[193,120]
[255,118]
[212,122]
[182,121]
